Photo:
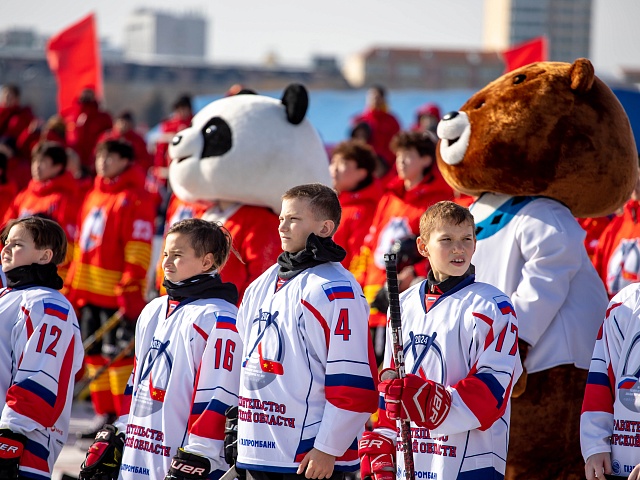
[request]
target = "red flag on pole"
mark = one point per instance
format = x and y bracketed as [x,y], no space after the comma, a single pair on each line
[74,58]
[534,50]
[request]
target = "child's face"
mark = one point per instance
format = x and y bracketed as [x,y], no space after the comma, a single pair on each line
[449,249]
[180,261]
[411,165]
[109,164]
[43,169]
[345,173]
[297,222]
[20,249]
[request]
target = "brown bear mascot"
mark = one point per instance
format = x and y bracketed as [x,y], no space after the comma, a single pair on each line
[540,146]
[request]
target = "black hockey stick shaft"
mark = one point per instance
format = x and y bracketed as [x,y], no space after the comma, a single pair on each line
[398,355]
[112,322]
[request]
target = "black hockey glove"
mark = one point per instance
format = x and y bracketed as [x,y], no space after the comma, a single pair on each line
[231,436]
[104,455]
[188,466]
[11,448]
[381,300]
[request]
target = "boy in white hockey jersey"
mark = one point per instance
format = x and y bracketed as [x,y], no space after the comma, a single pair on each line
[40,349]
[610,419]
[186,371]
[308,374]
[460,340]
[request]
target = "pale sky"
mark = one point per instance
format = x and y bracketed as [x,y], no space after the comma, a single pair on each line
[245,31]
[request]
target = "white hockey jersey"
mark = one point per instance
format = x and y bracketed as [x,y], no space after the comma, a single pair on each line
[308,374]
[186,374]
[40,354]
[532,248]
[467,341]
[610,420]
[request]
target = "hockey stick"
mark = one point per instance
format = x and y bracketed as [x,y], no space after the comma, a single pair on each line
[229,474]
[398,355]
[81,388]
[110,324]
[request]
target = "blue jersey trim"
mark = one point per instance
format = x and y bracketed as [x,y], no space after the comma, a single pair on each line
[501,217]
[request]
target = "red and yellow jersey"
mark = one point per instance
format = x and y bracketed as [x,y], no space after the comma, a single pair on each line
[358,209]
[397,216]
[113,245]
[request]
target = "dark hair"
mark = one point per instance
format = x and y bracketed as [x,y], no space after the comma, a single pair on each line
[322,200]
[4,160]
[423,142]
[126,115]
[13,88]
[380,89]
[183,101]
[361,153]
[56,152]
[206,237]
[122,148]
[445,211]
[46,233]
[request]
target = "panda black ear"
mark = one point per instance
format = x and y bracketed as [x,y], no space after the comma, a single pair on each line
[296,101]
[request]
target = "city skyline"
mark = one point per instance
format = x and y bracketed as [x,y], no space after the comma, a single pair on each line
[247,31]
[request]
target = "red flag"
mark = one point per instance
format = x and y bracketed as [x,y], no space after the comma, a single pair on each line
[74,58]
[534,50]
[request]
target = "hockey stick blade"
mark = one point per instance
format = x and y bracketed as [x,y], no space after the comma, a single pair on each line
[230,474]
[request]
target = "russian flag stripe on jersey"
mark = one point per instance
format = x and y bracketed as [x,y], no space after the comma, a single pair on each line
[56,310]
[226,323]
[351,392]
[335,290]
[210,423]
[35,456]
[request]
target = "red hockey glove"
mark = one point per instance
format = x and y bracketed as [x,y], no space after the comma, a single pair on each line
[377,454]
[424,402]
[131,304]
[188,466]
[104,455]
[11,448]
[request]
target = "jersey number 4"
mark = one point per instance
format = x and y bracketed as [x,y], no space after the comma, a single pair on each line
[54,332]
[342,327]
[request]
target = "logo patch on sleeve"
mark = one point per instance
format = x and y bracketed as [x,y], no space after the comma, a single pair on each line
[504,304]
[338,290]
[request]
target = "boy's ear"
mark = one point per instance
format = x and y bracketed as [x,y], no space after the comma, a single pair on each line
[327,228]
[422,247]
[207,262]
[47,255]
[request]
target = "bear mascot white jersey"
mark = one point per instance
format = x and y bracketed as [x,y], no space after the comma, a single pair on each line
[240,154]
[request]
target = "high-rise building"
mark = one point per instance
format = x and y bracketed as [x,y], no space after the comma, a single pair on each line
[150,34]
[565,23]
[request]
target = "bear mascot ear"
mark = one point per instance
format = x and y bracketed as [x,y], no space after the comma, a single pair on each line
[582,75]
[296,101]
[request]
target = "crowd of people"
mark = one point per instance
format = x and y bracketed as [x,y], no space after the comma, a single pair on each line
[81,198]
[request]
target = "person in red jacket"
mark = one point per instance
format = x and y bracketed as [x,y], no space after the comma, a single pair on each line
[427,118]
[124,129]
[109,267]
[85,123]
[179,120]
[383,124]
[418,186]
[617,254]
[14,117]
[54,130]
[8,188]
[352,168]
[52,191]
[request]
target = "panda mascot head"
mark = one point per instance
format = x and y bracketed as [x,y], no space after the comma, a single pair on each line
[248,149]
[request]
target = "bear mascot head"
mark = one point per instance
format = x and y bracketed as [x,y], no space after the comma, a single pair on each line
[547,129]
[539,146]
[248,149]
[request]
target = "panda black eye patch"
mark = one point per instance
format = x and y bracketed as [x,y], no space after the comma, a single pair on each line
[216,134]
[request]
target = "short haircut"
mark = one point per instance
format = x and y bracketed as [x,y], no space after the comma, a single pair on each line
[12,88]
[380,89]
[444,212]
[124,149]
[56,152]
[183,101]
[46,233]
[206,237]
[359,152]
[423,142]
[323,201]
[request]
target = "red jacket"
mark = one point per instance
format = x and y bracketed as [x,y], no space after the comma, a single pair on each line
[617,255]
[594,228]
[358,209]
[168,128]
[140,153]
[85,122]
[113,251]
[14,120]
[383,127]
[8,192]
[397,216]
